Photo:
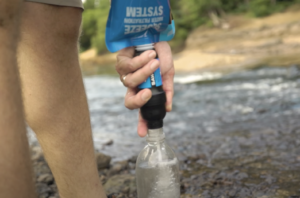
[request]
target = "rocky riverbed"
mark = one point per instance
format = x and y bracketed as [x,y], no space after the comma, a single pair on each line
[235,135]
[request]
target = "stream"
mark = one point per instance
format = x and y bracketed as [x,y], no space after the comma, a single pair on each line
[236,135]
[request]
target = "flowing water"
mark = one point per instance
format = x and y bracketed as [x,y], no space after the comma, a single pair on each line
[237,134]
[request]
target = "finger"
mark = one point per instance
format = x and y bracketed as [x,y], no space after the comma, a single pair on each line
[135,100]
[126,52]
[165,56]
[167,70]
[132,80]
[126,64]
[168,86]
[142,126]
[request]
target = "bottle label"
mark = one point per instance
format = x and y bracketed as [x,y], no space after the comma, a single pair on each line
[154,80]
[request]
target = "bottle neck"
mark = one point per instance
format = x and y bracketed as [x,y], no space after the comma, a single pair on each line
[155,136]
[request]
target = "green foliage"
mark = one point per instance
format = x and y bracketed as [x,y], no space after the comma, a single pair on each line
[94,22]
[260,8]
[98,41]
[89,30]
[188,15]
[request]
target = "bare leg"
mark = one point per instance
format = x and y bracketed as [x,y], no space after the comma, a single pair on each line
[54,97]
[15,173]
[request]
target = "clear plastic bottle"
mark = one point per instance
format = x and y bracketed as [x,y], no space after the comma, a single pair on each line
[157,168]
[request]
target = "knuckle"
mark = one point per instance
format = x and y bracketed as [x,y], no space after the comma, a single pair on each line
[130,84]
[128,106]
[172,72]
[137,103]
[169,74]
[118,57]
[145,73]
[117,68]
[131,66]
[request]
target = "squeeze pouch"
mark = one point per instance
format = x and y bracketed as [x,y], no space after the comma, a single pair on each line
[138,22]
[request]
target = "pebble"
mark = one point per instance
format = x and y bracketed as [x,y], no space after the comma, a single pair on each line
[109,142]
[103,161]
[119,183]
[45,178]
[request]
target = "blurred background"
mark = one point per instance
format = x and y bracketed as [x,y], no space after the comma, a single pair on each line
[210,34]
[235,124]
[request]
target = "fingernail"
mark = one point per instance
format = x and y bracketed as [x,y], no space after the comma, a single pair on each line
[152,54]
[146,96]
[154,65]
[169,107]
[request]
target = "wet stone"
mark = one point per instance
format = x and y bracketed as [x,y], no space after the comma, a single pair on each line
[120,183]
[45,178]
[44,195]
[43,189]
[133,159]
[241,176]
[232,193]
[103,161]
[109,142]
[41,168]
[116,168]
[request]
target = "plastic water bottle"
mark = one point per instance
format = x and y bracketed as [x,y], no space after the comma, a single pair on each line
[157,168]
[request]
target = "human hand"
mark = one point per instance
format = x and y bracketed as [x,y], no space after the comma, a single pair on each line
[134,71]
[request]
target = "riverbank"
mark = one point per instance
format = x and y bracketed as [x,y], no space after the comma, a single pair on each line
[235,135]
[243,43]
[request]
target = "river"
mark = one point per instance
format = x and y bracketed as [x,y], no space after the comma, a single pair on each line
[236,134]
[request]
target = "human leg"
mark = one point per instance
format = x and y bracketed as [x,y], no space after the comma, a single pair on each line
[54,97]
[15,173]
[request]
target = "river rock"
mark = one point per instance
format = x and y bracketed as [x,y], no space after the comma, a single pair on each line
[42,189]
[118,167]
[45,178]
[37,154]
[103,161]
[115,169]
[120,183]
[109,142]
[133,159]
[41,168]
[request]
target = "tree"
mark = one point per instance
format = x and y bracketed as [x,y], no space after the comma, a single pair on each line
[94,23]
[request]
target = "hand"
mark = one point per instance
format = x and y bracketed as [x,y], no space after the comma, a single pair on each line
[134,71]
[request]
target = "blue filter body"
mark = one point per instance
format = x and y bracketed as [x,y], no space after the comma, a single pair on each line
[152,81]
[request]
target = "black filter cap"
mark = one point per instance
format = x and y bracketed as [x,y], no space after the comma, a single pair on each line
[155,124]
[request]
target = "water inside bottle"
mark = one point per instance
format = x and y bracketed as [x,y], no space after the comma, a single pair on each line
[159,180]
